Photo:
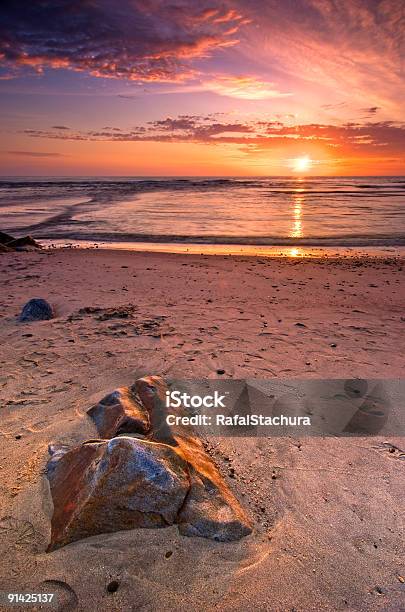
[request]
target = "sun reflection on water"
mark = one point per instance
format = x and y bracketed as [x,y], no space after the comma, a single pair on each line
[296,228]
[294,252]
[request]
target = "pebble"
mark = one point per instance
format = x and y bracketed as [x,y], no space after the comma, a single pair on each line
[112,587]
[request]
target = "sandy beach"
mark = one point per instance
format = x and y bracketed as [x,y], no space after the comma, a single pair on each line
[327,513]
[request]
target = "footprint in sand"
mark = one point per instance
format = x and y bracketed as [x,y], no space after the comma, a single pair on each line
[19,542]
[391,451]
[64,596]
[19,534]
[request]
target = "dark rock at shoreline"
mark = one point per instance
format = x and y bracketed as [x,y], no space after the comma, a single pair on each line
[10,243]
[151,475]
[5,238]
[25,241]
[36,309]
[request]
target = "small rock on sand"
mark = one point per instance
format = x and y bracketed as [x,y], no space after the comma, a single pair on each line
[37,309]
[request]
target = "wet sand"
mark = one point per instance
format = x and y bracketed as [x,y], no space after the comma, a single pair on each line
[328,514]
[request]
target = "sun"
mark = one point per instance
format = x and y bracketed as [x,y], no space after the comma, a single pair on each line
[302,164]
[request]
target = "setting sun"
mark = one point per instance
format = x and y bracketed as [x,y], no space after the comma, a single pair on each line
[302,164]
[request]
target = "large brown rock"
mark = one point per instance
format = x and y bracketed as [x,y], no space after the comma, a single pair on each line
[112,485]
[120,411]
[164,478]
[210,510]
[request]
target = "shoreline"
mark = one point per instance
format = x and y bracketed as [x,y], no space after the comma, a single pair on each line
[282,251]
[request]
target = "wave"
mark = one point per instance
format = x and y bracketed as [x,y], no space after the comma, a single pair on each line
[361,211]
[346,240]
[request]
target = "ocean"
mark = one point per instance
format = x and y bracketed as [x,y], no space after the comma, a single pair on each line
[274,211]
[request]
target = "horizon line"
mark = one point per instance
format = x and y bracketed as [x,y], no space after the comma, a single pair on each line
[174,176]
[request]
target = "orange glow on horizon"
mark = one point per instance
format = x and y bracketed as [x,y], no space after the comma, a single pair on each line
[106,158]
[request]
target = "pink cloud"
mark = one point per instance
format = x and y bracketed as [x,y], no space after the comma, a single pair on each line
[251,136]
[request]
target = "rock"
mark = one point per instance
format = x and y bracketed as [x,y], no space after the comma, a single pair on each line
[133,481]
[152,393]
[36,309]
[5,238]
[113,485]
[9,243]
[25,241]
[112,587]
[120,412]
[56,451]
[210,510]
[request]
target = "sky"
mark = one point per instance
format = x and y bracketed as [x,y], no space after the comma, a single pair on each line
[179,87]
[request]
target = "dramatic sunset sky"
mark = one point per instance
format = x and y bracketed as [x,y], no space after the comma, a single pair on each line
[202,87]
